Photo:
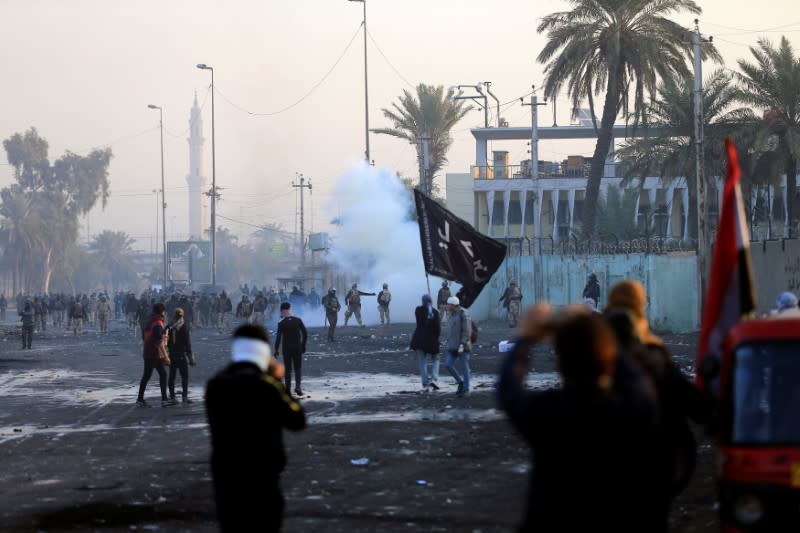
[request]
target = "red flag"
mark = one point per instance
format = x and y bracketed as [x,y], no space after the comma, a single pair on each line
[731,289]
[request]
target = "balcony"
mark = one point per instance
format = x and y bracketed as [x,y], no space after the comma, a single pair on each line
[547,170]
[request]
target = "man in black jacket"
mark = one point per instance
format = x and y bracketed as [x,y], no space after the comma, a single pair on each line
[179,344]
[247,408]
[292,332]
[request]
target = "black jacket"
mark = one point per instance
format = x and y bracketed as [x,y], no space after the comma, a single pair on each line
[180,341]
[247,411]
[426,335]
[292,333]
[591,451]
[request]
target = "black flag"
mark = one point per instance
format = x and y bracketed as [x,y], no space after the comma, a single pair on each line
[454,250]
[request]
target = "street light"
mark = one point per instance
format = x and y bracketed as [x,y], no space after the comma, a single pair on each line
[366,84]
[203,66]
[163,195]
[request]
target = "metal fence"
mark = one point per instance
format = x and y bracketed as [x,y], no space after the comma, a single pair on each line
[574,246]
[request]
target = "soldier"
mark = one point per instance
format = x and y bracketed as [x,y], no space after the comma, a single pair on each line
[313,299]
[592,290]
[511,299]
[77,315]
[28,317]
[131,310]
[353,303]
[91,310]
[441,300]
[204,310]
[244,310]
[259,309]
[3,307]
[273,301]
[332,308]
[384,298]
[37,314]
[225,310]
[103,313]
[44,311]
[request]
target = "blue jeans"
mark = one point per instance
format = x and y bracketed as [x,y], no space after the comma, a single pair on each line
[450,364]
[433,376]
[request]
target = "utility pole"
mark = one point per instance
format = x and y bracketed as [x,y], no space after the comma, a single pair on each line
[700,180]
[302,186]
[534,131]
[366,84]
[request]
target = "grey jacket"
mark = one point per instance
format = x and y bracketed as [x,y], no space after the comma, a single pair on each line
[458,332]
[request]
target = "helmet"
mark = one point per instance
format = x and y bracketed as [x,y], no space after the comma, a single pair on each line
[385,285]
[444,283]
[331,291]
[355,285]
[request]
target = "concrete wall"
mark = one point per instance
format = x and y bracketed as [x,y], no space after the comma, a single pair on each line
[460,196]
[776,268]
[670,281]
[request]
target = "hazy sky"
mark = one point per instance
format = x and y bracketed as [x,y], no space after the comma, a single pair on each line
[83,72]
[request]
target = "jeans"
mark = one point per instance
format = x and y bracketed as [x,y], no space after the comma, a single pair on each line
[179,364]
[452,356]
[149,366]
[433,376]
[293,361]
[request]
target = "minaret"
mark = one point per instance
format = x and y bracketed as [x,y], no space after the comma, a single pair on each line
[196,177]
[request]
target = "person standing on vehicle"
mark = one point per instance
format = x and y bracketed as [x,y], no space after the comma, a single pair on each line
[153,336]
[181,356]
[458,345]
[332,307]
[292,332]
[247,409]
[28,317]
[425,341]
[384,299]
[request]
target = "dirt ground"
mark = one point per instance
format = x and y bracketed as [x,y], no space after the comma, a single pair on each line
[78,455]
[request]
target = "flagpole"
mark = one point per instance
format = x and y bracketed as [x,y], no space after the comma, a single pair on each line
[428,280]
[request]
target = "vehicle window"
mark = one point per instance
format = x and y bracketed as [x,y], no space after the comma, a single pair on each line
[766,394]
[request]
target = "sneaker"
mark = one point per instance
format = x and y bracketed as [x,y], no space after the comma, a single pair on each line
[460,390]
[141,403]
[463,393]
[185,399]
[434,385]
[298,392]
[425,389]
[167,403]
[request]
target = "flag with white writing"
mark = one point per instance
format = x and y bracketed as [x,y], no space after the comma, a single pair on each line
[454,250]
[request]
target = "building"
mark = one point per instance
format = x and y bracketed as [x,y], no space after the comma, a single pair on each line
[520,203]
[196,178]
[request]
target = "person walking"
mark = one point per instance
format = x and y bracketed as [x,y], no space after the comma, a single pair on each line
[247,409]
[28,317]
[103,313]
[179,344]
[292,332]
[511,300]
[244,310]
[592,290]
[78,315]
[425,341]
[153,353]
[332,308]
[458,345]
[3,307]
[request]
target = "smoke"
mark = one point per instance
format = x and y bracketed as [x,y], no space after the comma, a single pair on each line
[377,241]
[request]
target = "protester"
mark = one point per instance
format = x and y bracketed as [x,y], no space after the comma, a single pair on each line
[678,400]
[458,344]
[590,439]
[247,409]
[153,353]
[292,332]
[425,341]
[180,354]
[592,290]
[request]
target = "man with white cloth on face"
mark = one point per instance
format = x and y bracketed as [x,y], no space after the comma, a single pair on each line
[247,408]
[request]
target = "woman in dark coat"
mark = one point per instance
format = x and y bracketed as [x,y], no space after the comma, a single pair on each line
[425,342]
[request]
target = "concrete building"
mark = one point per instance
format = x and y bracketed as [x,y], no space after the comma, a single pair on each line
[196,178]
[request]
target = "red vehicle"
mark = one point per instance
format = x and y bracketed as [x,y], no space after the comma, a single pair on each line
[759,426]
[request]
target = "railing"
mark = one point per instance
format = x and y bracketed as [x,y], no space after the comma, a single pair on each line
[546,170]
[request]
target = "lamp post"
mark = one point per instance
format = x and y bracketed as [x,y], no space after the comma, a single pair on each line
[163,194]
[203,66]
[366,84]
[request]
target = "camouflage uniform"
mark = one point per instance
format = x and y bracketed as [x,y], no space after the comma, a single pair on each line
[103,314]
[353,303]
[511,300]
[384,298]
[441,301]
[332,308]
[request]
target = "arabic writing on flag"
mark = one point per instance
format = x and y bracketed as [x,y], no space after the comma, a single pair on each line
[730,293]
[454,250]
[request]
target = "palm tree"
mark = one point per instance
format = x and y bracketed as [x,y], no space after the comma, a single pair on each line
[772,85]
[670,154]
[22,233]
[114,252]
[431,112]
[622,47]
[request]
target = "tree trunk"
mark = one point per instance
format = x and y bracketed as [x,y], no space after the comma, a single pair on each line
[47,271]
[791,187]
[597,169]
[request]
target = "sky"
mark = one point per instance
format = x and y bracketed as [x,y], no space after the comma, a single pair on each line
[83,72]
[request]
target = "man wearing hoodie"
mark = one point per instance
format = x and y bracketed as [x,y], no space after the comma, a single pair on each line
[247,408]
[179,344]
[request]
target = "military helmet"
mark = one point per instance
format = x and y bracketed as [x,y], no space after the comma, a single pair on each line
[355,285]
[331,291]
[385,285]
[444,283]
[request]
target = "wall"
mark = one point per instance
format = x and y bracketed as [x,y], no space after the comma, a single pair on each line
[776,268]
[670,281]
[460,196]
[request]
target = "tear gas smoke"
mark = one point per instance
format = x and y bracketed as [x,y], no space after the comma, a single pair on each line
[376,241]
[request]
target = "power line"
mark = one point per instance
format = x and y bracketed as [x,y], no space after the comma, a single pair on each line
[115,142]
[304,97]
[742,31]
[371,38]
[256,226]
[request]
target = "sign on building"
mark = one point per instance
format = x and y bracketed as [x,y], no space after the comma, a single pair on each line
[189,262]
[318,242]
